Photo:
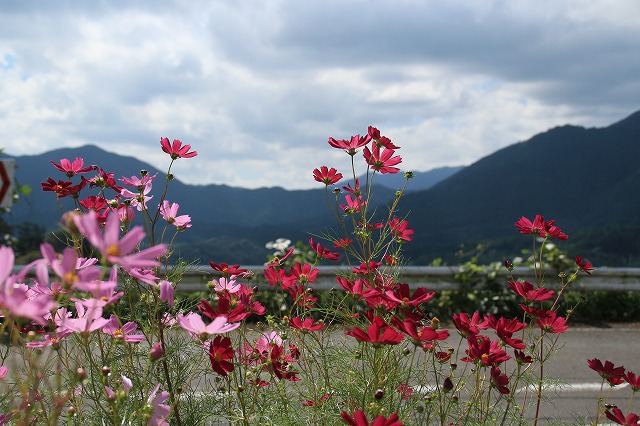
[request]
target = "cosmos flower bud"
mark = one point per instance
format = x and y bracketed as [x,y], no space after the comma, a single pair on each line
[156,352]
[447,386]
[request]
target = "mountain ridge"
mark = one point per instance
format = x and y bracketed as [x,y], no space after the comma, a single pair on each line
[585,178]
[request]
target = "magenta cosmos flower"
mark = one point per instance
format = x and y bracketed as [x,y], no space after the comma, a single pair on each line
[115,250]
[71,168]
[176,149]
[360,419]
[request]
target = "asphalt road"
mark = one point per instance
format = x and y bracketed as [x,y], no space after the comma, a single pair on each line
[576,402]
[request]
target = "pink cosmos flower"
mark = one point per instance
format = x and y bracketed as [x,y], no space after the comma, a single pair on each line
[87,321]
[124,333]
[49,340]
[72,168]
[16,299]
[226,285]
[125,213]
[170,214]
[69,268]
[115,250]
[160,410]
[138,199]
[144,275]
[138,182]
[166,292]
[176,149]
[194,324]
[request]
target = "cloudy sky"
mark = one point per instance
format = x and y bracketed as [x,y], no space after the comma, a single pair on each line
[258,87]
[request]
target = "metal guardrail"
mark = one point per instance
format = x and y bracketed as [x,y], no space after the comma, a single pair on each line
[436,278]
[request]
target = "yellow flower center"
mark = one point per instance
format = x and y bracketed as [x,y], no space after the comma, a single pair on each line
[113,250]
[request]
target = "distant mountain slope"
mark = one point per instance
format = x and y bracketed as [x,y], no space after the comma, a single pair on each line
[420,180]
[583,178]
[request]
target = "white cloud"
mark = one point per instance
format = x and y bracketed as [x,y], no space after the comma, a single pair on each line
[257,88]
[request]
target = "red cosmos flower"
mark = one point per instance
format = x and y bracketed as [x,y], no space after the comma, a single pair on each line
[402,295]
[278,278]
[378,333]
[419,334]
[350,147]
[227,270]
[93,202]
[616,415]
[72,168]
[529,293]
[60,187]
[442,357]
[375,299]
[220,352]
[301,296]
[279,362]
[304,273]
[382,162]
[466,326]
[499,380]
[484,351]
[323,398]
[505,329]
[306,325]
[536,313]
[324,253]
[343,243]
[355,287]
[540,227]
[522,358]
[360,419]
[607,371]
[366,268]
[583,265]
[399,229]
[238,313]
[633,380]
[176,149]
[327,176]
[552,323]
[104,180]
